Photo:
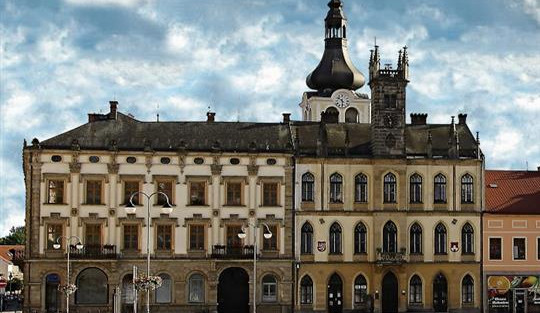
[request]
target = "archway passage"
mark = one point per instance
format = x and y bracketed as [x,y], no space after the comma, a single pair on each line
[440,293]
[233,291]
[335,294]
[52,295]
[390,295]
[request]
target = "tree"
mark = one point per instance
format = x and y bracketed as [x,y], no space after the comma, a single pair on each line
[16,236]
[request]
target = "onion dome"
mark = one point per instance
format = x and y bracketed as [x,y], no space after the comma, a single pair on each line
[336,70]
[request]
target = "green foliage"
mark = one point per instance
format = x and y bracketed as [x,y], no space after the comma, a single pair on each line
[16,236]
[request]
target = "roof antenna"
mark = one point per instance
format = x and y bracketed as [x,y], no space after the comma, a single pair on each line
[375,40]
[527,165]
[157,114]
[237,115]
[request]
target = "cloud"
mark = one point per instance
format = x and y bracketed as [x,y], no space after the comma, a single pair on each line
[532,7]
[104,3]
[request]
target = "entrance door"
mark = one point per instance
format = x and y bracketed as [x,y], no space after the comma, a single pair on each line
[233,291]
[520,301]
[335,294]
[51,293]
[390,293]
[440,293]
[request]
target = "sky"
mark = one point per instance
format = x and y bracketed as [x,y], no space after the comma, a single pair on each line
[247,60]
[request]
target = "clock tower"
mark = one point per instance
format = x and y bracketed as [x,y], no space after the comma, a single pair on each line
[336,79]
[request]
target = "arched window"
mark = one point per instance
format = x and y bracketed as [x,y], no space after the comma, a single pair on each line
[306,290]
[196,288]
[390,237]
[332,115]
[360,238]
[336,187]
[92,287]
[306,244]
[390,188]
[415,290]
[52,296]
[308,184]
[128,291]
[360,289]
[269,287]
[467,289]
[467,189]
[335,239]
[351,115]
[416,188]
[163,293]
[467,239]
[439,189]
[440,239]
[416,239]
[360,188]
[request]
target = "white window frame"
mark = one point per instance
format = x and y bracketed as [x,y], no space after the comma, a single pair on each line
[513,255]
[502,248]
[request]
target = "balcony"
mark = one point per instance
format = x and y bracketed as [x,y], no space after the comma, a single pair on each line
[232,252]
[94,252]
[390,258]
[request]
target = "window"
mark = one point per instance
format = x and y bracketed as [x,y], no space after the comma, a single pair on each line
[165,186]
[308,182]
[390,237]
[416,188]
[92,236]
[495,248]
[467,189]
[55,192]
[467,239]
[335,239]
[197,193]
[306,290]
[131,237]
[440,189]
[306,239]
[196,237]
[390,100]
[360,238]
[164,237]
[131,187]
[519,250]
[232,236]
[538,248]
[128,290]
[440,239]
[360,188]
[415,290]
[270,194]
[234,193]
[92,287]
[360,289]
[467,290]
[416,239]
[163,293]
[351,115]
[269,289]
[196,288]
[271,243]
[390,188]
[54,231]
[93,191]
[336,184]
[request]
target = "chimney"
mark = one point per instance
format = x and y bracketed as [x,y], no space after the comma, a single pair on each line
[92,117]
[462,118]
[114,109]
[210,117]
[538,168]
[419,118]
[286,118]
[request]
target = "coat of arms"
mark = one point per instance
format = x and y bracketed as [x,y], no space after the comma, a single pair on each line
[321,246]
[454,246]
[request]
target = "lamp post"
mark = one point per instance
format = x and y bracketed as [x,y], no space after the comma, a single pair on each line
[131,209]
[57,246]
[267,235]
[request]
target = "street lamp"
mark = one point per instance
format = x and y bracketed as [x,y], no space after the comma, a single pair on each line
[78,246]
[267,235]
[131,209]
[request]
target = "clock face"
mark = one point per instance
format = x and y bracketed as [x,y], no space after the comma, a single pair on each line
[342,101]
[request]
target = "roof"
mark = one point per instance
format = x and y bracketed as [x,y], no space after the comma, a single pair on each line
[5,254]
[513,192]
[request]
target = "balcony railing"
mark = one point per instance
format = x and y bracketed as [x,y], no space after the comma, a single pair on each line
[232,252]
[390,258]
[94,252]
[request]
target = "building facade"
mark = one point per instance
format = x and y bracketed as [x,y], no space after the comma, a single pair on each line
[511,224]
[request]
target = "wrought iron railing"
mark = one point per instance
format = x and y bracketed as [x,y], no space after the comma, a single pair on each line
[232,252]
[390,258]
[94,252]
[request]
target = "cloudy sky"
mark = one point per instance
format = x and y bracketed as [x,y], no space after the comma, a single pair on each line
[248,59]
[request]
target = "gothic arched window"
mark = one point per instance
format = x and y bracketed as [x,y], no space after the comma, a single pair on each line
[415,239]
[360,238]
[467,289]
[306,239]
[415,290]
[416,188]
[467,189]
[306,290]
[440,239]
[390,188]
[335,239]
[308,184]
[439,188]
[360,289]
[390,237]
[336,187]
[360,188]
[467,239]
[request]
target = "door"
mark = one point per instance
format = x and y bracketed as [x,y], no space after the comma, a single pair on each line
[335,294]
[440,293]
[520,301]
[233,291]
[389,302]
[52,296]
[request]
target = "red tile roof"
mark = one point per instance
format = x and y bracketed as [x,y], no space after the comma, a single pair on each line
[4,251]
[513,192]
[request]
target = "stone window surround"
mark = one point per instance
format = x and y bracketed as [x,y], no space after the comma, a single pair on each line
[84,178]
[197,220]
[279,180]
[131,219]
[198,178]
[164,219]
[54,218]
[46,177]
[169,178]
[131,177]
[243,180]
